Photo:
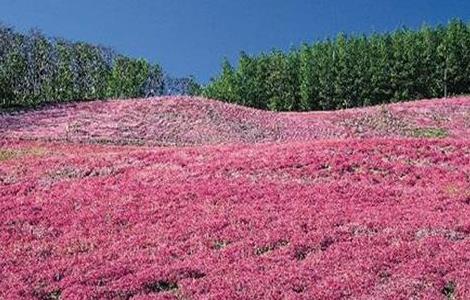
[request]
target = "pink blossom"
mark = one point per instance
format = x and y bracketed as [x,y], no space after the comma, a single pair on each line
[366,217]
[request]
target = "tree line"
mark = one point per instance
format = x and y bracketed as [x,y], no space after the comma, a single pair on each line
[35,69]
[351,71]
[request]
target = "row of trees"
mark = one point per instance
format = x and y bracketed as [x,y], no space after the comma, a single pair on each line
[351,71]
[35,69]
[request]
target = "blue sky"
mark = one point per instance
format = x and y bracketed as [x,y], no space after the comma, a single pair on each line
[192,36]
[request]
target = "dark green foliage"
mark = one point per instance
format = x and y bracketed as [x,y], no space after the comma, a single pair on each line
[449,290]
[249,82]
[224,86]
[128,78]
[194,88]
[160,286]
[12,67]
[308,78]
[352,71]
[91,72]
[430,133]
[154,85]
[282,81]
[35,69]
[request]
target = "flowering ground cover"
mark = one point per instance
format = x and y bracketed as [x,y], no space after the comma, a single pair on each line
[180,121]
[380,211]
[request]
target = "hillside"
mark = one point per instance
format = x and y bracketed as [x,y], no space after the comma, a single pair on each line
[173,121]
[368,203]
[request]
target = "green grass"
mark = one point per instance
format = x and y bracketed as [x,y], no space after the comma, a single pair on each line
[429,133]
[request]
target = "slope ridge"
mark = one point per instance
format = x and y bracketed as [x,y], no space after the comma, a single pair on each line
[184,121]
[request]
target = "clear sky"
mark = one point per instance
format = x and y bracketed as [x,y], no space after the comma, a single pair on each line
[192,36]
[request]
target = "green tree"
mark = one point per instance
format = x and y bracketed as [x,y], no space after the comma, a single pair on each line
[352,71]
[194,88]
[40,68]
[327,74]
[308,79]
[224,86]
[128,78]
[380,69]
[250,79]
[14,72]
[64,79]
[428,81]
[454,53]
[341,67]
[282,81]
[6,44]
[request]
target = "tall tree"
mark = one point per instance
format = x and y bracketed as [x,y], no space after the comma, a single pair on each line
[224,86]
[128,78]
[308,79]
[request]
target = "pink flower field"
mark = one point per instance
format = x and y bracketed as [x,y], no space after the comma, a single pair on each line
[179,121]
[179,198]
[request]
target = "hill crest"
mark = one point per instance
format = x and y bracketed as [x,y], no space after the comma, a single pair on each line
[186,121]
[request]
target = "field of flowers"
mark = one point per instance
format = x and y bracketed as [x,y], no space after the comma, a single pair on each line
[180,121]
[359,204]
